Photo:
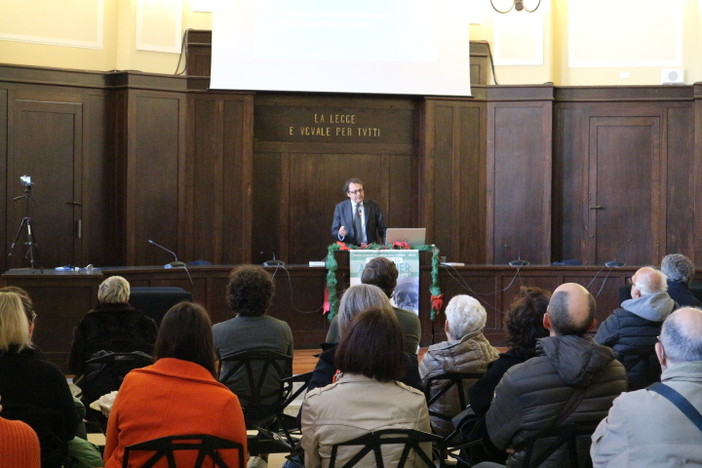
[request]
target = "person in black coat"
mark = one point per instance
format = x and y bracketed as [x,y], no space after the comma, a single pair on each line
[33,390]
[113,325]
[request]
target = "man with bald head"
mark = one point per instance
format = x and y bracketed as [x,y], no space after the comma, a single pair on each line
[571,381]
[644,428]
[631,330]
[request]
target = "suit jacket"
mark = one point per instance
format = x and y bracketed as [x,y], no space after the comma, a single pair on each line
[172,397]
[375,222]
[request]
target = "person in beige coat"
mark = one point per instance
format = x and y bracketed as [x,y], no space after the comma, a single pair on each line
[365,396]
[643,428]
[466,351]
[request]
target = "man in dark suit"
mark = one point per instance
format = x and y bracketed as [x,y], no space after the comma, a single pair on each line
[357,220]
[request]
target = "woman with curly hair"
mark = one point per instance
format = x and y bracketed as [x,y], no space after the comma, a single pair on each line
[524,325]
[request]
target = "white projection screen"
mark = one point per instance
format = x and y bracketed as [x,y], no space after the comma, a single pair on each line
[360,46]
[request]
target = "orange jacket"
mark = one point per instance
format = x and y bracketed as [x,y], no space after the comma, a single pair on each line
[172,397]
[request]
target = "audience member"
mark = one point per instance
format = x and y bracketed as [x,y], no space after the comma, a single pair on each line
[249,295]
[466,351]
[631,330]
[365,396]
[382,272]
[113,325]
[523,326]
[571,380]
[177,395]
[680,272]
[355,300]
[33,390]
[644,428]
[19,445]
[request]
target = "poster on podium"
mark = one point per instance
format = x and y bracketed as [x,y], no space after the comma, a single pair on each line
[406,294]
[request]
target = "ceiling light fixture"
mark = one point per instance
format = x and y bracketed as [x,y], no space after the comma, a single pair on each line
[516,5]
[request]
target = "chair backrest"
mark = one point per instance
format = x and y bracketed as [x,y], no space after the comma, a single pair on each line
[439,386]
[373,442]
[256,378]
[155,301]
[573,443]
[204,446]
[105,371]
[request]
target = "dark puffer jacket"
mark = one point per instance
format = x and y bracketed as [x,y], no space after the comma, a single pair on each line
[531,396]
[470,355]
[632,333]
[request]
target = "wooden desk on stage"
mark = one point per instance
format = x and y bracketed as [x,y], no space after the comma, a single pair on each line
[62,298]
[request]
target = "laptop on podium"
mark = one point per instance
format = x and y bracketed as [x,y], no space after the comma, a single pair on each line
[413,236]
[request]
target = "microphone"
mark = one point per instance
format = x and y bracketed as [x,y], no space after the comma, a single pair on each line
[519,262]
[273,262]
[615,262]
[175,263]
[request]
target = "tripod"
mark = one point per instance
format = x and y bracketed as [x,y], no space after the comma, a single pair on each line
[26,228]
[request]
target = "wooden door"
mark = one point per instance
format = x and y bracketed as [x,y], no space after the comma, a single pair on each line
[45,143]
[625,214]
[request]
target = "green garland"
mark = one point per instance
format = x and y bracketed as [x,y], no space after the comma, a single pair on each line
[332,266]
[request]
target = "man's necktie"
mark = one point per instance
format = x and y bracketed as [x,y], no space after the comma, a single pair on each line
[358,224]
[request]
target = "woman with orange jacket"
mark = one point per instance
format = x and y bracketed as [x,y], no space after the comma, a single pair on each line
[177,395]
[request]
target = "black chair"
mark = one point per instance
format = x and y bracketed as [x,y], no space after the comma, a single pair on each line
[105,372]
[206,446]
[373,442]
[439,386]
[263,383]
[155,301]
[573,443]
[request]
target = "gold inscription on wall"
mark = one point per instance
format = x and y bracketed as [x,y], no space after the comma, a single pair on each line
[334,125]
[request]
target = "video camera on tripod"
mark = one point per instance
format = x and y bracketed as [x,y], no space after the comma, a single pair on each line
[25,226]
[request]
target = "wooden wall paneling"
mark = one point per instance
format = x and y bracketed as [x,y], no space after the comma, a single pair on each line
[519,178]
[218,204]
[267,201]
[117,168]
[238,170]
[155,175]
[680,183]
[204,172]
[695,204]
[570,208]
[625,152]
[98,185]
[454,162]
[308,146]
[46,143]
[479,62]
[4,126]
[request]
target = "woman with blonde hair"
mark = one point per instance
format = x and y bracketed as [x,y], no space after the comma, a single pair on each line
[33,390]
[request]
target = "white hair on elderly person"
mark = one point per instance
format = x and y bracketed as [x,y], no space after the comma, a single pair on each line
[14,326]
[358,298]
[677,267]
[650,280]
[464,315]
[114,290]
